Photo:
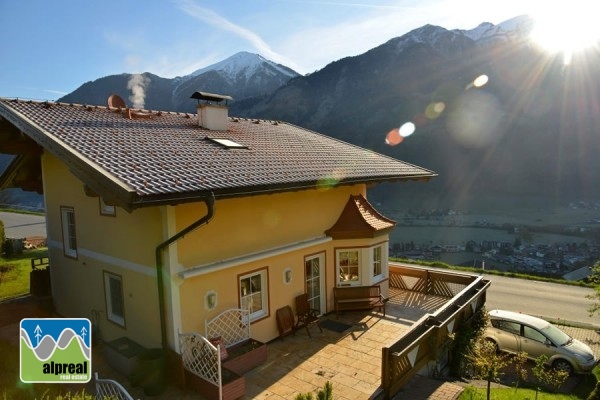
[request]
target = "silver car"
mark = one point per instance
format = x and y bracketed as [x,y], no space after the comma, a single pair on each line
[515,332]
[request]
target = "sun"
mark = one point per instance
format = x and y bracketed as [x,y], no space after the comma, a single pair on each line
[565,27]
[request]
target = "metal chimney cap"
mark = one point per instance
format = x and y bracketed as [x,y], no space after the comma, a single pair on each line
[210,97]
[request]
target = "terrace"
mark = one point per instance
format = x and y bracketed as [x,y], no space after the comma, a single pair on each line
[363,354]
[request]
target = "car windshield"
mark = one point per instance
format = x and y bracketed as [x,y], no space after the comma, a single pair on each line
[557,336]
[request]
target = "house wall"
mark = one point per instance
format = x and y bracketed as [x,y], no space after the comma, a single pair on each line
[245,225]
[261,223]
[123,245]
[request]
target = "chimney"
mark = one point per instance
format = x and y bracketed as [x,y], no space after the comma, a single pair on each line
[211,114]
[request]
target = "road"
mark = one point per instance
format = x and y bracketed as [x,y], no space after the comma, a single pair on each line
[17,226]
[549,300]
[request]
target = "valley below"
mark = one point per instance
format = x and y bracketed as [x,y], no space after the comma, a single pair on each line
[544,241]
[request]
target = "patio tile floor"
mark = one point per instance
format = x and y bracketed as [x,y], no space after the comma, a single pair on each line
[351,360]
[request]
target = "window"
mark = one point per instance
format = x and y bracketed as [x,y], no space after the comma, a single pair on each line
[113,291]
[377,262]
[230,144]
[348,266]
[533,334]
[68,231]
[106,209]
[254,294]
[507,326]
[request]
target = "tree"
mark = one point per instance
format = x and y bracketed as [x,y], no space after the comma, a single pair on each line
[487,362]
[549,377]
[520,362]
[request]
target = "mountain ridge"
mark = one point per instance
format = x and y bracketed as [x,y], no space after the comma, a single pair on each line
[527,134]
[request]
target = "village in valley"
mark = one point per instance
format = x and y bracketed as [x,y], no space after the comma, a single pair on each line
[550,247]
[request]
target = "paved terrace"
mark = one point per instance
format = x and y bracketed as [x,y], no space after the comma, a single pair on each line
[351,359]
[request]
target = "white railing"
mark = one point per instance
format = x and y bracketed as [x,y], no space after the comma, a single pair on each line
[201,357]
[109,389]
[233,326]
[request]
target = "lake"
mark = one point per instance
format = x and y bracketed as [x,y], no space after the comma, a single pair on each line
[458,235]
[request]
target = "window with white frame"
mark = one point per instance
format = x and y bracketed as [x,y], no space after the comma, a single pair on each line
[377,261]
[361,266]
[113,292]
[348,265]
[254,294]
[67,215]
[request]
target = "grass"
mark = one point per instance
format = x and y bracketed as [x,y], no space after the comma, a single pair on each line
[14,273]
[472,393]
[525,392]
[11,386]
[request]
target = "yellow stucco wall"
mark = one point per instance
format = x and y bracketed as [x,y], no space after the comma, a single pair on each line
[224,283]
[123,245]
[246,225]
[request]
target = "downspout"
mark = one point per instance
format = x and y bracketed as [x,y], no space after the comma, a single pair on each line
[210,203]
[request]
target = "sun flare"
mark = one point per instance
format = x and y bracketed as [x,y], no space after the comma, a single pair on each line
[565,27]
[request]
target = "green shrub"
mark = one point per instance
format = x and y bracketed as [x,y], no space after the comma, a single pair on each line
[463,341]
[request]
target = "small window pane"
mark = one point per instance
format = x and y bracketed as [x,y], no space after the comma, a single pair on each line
[68,228]
[377,268]
[349,271]
[115,305]
[253,295]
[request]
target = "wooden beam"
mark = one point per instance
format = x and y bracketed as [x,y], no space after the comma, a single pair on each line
[20,146]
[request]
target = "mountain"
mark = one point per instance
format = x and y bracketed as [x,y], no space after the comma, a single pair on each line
[242,76]
[529,136]
[526,135]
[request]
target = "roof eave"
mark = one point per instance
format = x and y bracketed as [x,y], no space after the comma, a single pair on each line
[140,201]
[98,180]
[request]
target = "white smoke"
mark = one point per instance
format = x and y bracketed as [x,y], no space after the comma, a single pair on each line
[137,85]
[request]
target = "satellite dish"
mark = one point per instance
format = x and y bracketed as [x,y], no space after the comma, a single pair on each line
[115,101]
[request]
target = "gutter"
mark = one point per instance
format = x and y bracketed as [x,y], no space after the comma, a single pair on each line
[210,203]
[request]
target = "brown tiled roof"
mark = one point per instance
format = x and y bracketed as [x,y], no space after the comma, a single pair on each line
[167,158]
[359,219]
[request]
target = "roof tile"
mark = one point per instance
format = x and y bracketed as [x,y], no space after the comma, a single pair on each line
[168,153]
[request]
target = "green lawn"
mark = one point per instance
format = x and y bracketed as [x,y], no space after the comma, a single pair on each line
[580,392]
[472,393]
[14,273]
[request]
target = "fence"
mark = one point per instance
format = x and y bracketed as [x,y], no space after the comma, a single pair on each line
[426,344]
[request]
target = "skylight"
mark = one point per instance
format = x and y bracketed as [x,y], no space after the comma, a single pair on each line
[230,144]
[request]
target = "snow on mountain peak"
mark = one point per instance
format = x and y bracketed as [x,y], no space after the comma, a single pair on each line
[242,62]
[519,26]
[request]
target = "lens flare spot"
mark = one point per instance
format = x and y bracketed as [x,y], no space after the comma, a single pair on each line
[271,219]
[326,183]
[420,120]
[476,119]
[393,137]
[434,110]
[480,81]
[407,129]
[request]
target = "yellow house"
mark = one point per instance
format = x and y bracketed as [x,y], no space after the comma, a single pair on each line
[158,221]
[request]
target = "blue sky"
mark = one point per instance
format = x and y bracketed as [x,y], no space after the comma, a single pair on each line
[50,48]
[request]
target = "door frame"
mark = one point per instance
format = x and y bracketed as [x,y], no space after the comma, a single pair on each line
[322,274]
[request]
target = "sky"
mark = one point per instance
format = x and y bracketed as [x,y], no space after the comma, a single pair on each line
[50,48]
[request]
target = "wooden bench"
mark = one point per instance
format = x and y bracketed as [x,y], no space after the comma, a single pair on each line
[358,298]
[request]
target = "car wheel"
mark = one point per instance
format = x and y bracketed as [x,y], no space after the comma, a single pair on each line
[563,365]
